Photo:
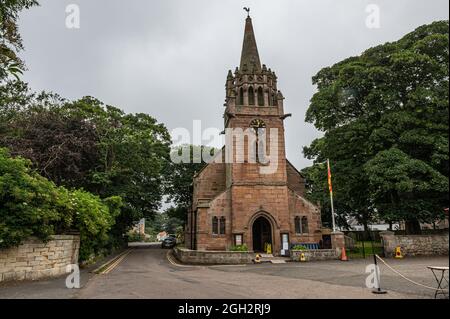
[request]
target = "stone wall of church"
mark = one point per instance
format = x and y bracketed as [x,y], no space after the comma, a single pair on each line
[295,181]
[248,172]
[219,207]
[299,207]
[250,202]
[210,182]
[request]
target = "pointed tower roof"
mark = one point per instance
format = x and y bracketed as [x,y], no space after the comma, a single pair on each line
[250,56]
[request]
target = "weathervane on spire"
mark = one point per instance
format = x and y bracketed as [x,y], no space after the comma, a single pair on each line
[248,11]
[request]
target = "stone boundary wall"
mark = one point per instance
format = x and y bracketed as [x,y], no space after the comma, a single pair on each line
[315,255]
[199,257]
[35,259]
[415,245]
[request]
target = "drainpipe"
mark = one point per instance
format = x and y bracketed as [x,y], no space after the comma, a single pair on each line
[195,229]
[191,222]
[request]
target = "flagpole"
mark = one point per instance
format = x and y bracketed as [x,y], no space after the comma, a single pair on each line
[331,195]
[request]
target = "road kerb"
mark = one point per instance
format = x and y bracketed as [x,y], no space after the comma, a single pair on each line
[174,263]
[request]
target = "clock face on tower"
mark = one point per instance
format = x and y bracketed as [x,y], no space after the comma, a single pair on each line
[258,123]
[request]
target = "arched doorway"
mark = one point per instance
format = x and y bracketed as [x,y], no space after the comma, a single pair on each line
[262,234]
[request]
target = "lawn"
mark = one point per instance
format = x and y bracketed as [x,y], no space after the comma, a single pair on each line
[365,247]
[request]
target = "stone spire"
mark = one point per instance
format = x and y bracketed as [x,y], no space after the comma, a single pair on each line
[250,61]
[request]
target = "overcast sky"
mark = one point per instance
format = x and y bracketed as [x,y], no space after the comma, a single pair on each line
[169,58]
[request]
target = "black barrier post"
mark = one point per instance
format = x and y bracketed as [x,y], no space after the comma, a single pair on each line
[364,248]
[377,291]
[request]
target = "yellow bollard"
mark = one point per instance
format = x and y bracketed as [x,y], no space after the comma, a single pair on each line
[398,253]
[302,257]
[269,249]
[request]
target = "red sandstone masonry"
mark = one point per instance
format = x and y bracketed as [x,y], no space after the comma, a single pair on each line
[239,191]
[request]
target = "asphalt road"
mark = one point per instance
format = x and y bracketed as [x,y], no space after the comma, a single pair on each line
[148,273]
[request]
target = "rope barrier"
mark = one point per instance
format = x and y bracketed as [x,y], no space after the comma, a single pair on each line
[410,280]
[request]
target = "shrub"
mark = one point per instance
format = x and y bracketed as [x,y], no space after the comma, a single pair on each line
[134,237]
[31,205]
[27,203]
[239,248]
[93,218]
[299,247]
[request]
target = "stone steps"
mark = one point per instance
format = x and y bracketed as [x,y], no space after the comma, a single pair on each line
[266,258]
[279,261]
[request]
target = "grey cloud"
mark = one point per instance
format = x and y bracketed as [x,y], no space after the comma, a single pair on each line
[169,58]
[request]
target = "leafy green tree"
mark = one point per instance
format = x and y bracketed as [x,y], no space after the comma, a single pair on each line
[168,221]
[86,144]
[64,149]
[177,212]
[133,153]
[28,203]
[180,176]
[389,103]
[10,39]
[31,205]
[93,218]
[175,219]
[82,144]
[406,188]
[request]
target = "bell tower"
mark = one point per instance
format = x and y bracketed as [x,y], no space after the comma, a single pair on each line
[254,101]
[254,197]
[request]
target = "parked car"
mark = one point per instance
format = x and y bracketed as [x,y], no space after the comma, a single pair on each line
[169,242]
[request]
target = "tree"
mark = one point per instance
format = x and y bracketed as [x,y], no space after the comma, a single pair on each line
[180,176]
[10,40]
[170,221]
[86,144]
[389,103]
[134,150]
[92,149]
[31,205]
[28,203]
[64,149]
[403,185]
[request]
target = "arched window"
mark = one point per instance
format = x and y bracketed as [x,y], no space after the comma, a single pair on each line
[305,229]
[241,96]
[222,227]
[274,100]
[298,225]
[260,97]
[215,226]
[251,96]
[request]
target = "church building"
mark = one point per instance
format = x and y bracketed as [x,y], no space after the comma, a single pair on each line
[235,203]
